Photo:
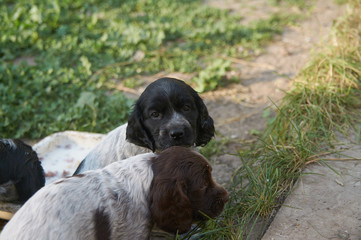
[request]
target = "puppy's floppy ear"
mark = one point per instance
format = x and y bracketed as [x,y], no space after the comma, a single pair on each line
[205,124]
[32,180]
[136,132]
[169,205]
[30,173]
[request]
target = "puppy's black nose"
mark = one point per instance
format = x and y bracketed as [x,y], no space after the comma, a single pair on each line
[176,134]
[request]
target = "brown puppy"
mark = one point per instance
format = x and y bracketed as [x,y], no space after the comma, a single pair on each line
[184,190]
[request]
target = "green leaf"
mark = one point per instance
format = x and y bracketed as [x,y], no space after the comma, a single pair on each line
[86,99]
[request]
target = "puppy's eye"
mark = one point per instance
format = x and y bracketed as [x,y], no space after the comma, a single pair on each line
[155,115]
[186,108]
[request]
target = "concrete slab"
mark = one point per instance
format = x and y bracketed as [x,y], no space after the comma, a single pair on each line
[323,204]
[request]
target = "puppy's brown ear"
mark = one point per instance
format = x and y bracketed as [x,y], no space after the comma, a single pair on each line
[136,132]
[169,205]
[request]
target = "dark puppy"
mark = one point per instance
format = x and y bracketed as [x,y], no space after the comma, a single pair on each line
[21,174]
[168,113]
[123,200]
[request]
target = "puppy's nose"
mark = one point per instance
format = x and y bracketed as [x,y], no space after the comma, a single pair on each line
[176,134]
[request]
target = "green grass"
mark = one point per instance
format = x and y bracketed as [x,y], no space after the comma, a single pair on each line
[81,49]
[325,98]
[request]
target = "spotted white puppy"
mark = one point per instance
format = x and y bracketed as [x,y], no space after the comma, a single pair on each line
[123,200]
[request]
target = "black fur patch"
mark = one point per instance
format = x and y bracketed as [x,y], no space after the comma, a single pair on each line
[79,175]
[20,164]
[101,225]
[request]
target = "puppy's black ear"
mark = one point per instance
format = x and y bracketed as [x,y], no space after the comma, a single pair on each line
[32,181]
[205,124]
[136,132]
[30,173]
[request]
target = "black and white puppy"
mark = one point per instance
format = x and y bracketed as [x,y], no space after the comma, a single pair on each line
[173,189]
[21,174]
[168,113]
